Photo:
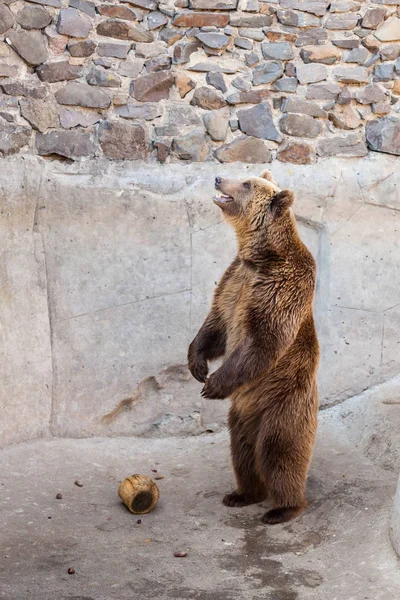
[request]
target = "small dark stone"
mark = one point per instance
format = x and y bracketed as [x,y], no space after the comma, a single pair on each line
[82,49]
[71,144]
[258,122]
[71,571]
[217,80]
[59,71]
[98,76]
[33,17]
[122,140]
[59,496]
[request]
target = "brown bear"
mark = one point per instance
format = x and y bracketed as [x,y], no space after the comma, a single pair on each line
[262,323]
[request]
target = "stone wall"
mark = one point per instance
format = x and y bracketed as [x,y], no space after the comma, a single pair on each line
[198,80]
[107,271]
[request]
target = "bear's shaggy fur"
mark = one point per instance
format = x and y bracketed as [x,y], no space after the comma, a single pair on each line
[261,322]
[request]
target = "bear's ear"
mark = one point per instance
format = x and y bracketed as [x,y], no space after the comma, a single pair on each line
[281,202]
[268,176]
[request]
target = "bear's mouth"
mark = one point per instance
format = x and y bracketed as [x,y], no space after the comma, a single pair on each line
[222,199]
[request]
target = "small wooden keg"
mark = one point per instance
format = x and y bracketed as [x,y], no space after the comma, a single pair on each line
[139,493]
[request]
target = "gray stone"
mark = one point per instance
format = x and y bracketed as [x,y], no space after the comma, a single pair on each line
[103,78]
[115,50]
[344,21]
[148,111]
[27,89]
[311,37]
[33,17]
[347,44]
[216,123]
[84,6]
[244,149]
[311,73]
[121,140]
[357,55]
[384,72]
[373,17]
[178,115]
[323,91]
[71,144]
[370,94]
[192,146]
[215,41]
[316,7]
[241,83]
[298,153]
[267,72]
[82,49]
[217,80]
[285,84]
[251,21]
[6,18]
[349,145]
[342,6]
[389,31]
[161,63]
[390,52]
[345,117]
[277,50]
[83,94]
[59,71]
[183,51]
[297,19]
[229,67]
[150,50]
[326,55]
[41,115]
[382,108]
[351,74]
[249,97]
[73,23]
[345,96]
[13,138]
[208,98]
[147,4]
[71,117]
[295,105]
[300,126]
[252,33]
[213,4]
[171,35]
[156,19]
[243,43]
[123,30]
[258,122]
[30,45]
[131,68]
[55,3]
[252,59]
[153,87]
[383,135]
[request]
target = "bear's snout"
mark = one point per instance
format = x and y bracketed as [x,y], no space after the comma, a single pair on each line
[218,181]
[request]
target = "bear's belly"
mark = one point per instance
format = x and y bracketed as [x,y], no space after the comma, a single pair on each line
[234,303]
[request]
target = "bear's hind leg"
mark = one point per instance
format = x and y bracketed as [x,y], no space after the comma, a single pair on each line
[284,467]
[250,488]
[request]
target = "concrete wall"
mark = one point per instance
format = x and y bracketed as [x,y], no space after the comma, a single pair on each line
[107,272]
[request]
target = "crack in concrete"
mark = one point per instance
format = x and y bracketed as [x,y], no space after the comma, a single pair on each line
[375,312]
[100,310]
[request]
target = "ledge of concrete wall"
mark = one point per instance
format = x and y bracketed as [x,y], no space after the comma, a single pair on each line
[108,269]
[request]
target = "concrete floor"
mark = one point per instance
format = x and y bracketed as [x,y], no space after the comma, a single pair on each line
[338,549]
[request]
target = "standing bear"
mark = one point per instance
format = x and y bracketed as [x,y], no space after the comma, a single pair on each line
[261,323]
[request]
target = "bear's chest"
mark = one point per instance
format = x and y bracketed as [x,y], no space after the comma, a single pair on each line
[234,304]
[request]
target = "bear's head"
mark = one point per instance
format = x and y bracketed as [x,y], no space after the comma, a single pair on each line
[259,211]
[256,200]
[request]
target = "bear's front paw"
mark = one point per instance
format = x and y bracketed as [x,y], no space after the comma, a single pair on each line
[198,367]
[213,389]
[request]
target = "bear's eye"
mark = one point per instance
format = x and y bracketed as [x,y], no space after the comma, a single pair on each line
[247,185]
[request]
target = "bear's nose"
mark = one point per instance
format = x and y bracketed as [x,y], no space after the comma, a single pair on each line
[218,181]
